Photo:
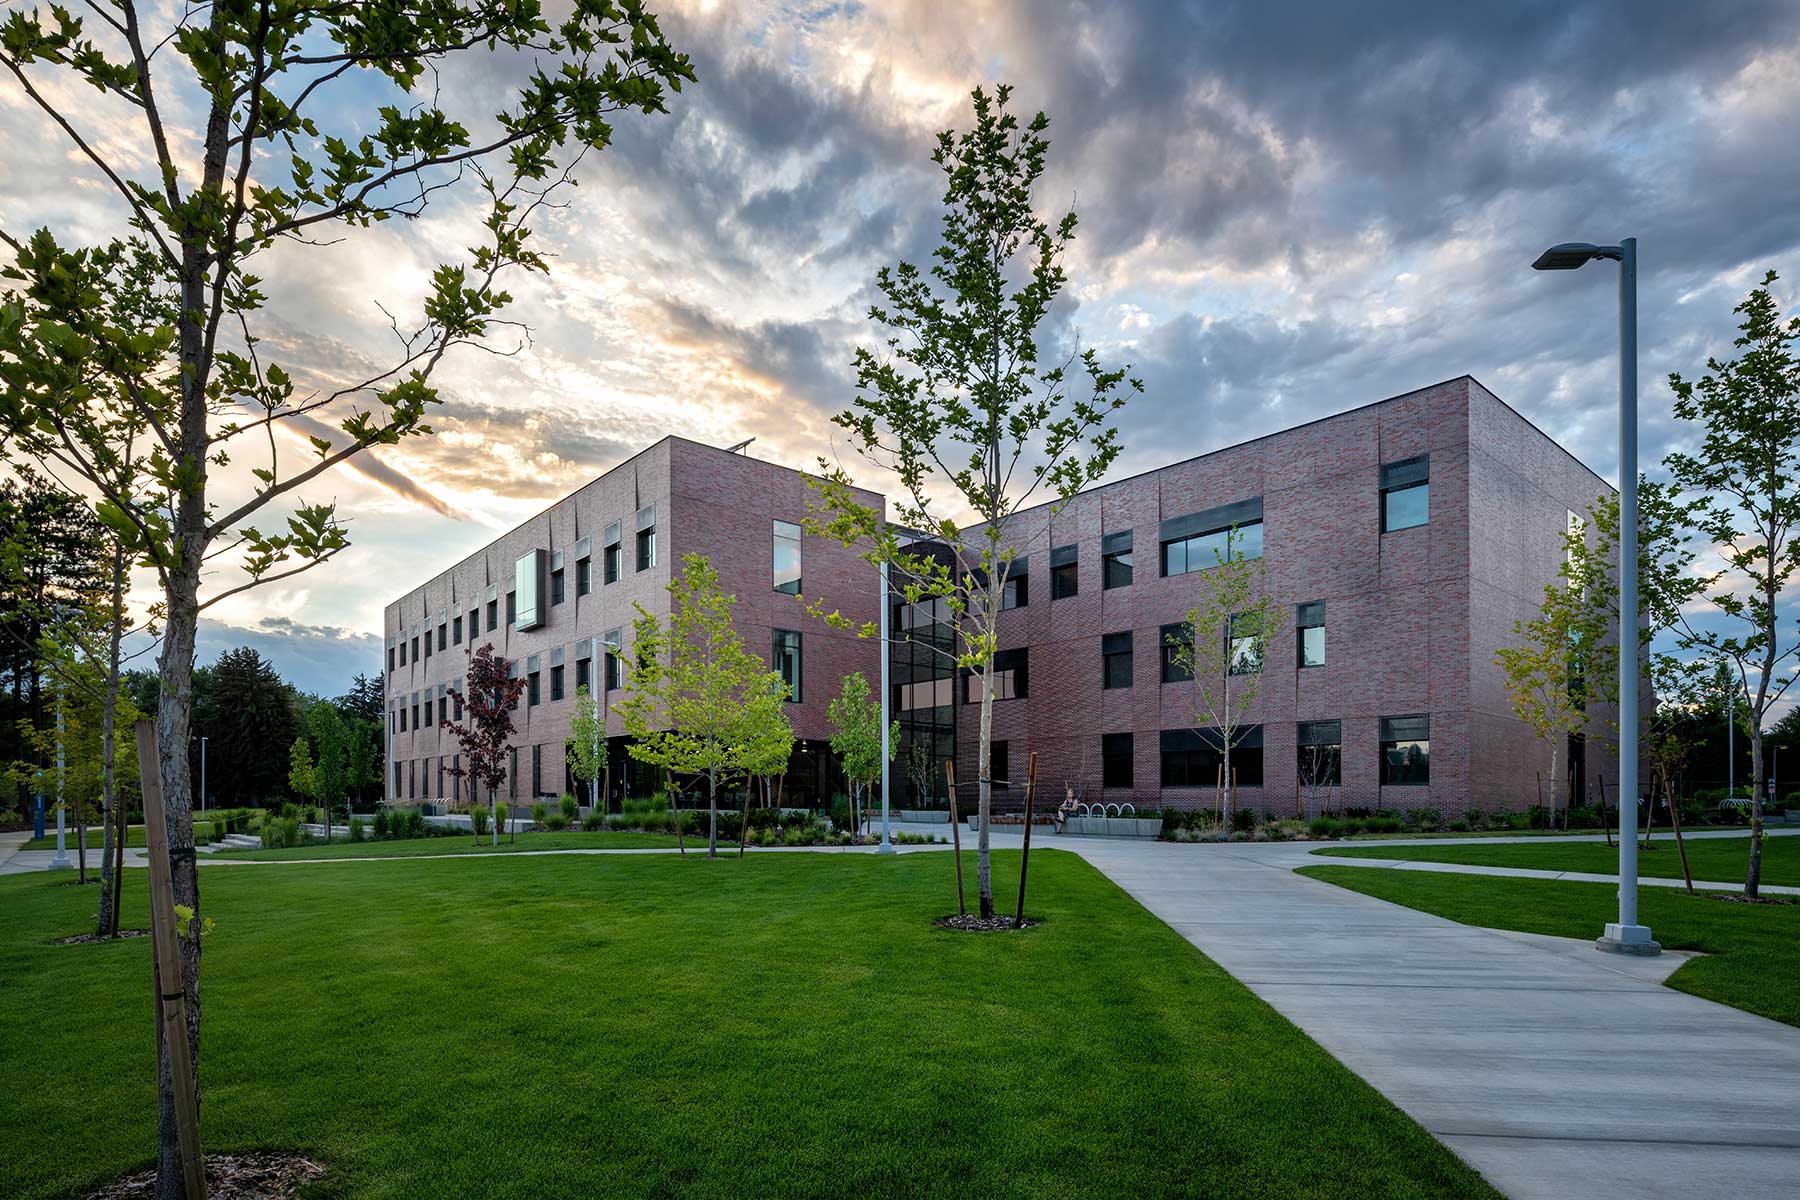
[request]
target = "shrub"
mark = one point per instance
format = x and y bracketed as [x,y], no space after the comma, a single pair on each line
[569,808]
[382,823]
[1323,827]
[500,815]
[1383,824]
[479,818]
[358,833]
[1243,820]
[1459,827]
[556,822]
[593,822]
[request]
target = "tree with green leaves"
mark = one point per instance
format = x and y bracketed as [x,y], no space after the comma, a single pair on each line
[696,698]
[771,735]
[587,744]
[235,155]
[1226,635]
[971,401]
[855,719]
[1741,477]
[302,776]
[331,741]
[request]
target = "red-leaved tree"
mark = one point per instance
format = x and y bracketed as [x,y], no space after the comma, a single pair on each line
[492,696]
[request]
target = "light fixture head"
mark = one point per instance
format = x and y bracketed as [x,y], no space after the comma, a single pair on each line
[1566,256]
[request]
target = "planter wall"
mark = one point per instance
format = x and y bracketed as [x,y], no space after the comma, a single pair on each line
[922,816]
[1130,827]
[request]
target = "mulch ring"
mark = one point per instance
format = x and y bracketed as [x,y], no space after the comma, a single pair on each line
[82,939]
[970,923]
[230,1177]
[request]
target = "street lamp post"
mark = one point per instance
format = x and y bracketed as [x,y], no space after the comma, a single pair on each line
[61,861]
[887,846]
[1625,936]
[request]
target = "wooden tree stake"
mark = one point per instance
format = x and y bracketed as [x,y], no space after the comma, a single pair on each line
[1025,858]
[171,998]
[955,835]
[1680,845]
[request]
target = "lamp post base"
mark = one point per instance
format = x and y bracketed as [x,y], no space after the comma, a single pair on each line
[1628,939]
[60,863]
[886,847]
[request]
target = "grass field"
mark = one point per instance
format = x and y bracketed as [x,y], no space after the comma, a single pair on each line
[787,1024]
[1720,860]
[134,837]
[468,844]
[1752,962]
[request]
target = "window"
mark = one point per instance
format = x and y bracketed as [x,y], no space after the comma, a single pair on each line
[393,723]
[474,625]
[1115,660]
[1195,757]
[1406,750]
[584,576]
[403,718]
[1207,550]
[997,765]
[1016,591]
[1405,493]
[1309,622]
[1065,578]
[416,725]
[1012,677]
[927,693]
[646,538]
[787,558]
[532,697]
[612,643]
[584,669]
[1115,560]
[428,707]
[428,643]
[396,781]
[512,608]
[1115,760]
[443,709]
[556,683]
[525,604]
[390,660]
[1321,753]
[1177,653]
[1247,642]
[456,706]
[412,778]
[610,555]
[537,770]
[403,652]
[556,587]
[493,615]
[787,661]
[456,630]
[442,643]
[415,642]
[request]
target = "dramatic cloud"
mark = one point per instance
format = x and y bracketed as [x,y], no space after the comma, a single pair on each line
[1284,212]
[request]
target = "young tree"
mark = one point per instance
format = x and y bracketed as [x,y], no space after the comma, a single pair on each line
[331,740]
[696,697]
[1742,475]
[587,744]
[1227,633]
[486,736]
[302,778]
[771,736]
[365,766]
[1561,651]
[961,406]
[259,168]
[855,718]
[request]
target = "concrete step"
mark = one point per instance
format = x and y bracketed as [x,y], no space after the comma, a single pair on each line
[240,841]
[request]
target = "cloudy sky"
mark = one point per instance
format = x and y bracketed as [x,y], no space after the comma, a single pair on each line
[1286,210]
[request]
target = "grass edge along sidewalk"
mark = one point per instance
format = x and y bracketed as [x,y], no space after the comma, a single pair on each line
[1750,961]
[1715,859]
[643,1025]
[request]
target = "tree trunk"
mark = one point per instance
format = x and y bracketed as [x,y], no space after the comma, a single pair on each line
[118,863]
[1753,876]
[712,812]
[173,730]
[984,875]
[674,811]
[493,816]
[109,917]
[81,840]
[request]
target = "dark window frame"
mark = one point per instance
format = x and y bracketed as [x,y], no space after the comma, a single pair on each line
[1309,617]
[1065,573]
[780,652]
[1398,768]
[1111,758]
[1170,637]
[1117,668]
[1115,561]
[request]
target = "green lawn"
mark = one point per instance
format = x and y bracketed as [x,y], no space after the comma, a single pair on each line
[467,844]
[787,1024]
[134,837]
[1719,860]
[1753,963]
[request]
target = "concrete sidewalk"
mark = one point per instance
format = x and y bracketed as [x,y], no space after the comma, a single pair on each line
[1419,864]
[1555,1070]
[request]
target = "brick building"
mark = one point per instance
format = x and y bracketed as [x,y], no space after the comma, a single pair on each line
[1399,541]
[591,557]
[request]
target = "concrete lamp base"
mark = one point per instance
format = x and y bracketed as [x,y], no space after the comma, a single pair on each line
[1628,939]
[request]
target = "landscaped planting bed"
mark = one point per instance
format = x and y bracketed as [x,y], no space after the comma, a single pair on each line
[784,1024]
